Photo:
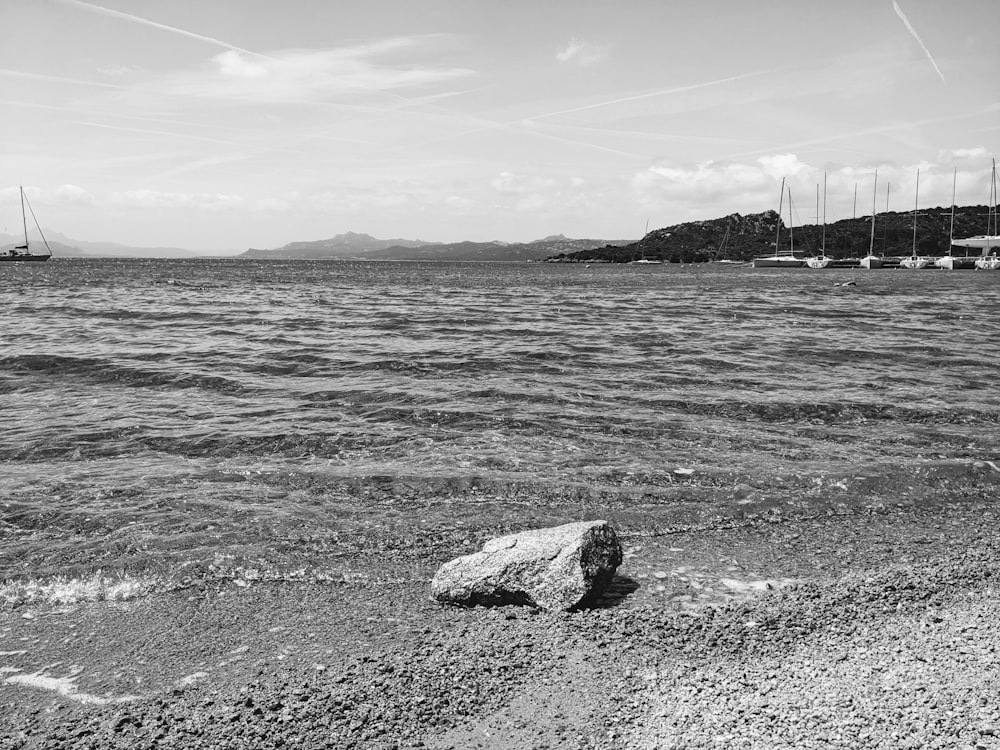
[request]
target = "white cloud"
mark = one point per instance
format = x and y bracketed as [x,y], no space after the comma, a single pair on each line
[964,154]
[310,74]
[686,192]
[581,52]
[74,194]
[232,63]
[537,193]
[277,205]
[152,199]
[508,182]
[707,180]
[505,182]
[782,165]
[459,202]
[60,194]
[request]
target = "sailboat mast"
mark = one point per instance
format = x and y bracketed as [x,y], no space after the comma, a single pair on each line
[817,208]
[781,205]
[871,244]
[951,229]
[885,224]
[791,225]
[916,201]
[991,211]
[823,249]
[994,190]
[24,219]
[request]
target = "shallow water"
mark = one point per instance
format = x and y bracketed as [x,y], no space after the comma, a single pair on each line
[170,414]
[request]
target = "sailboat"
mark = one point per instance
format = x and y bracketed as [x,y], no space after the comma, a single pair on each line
[642,249]
[990,241]
[821,260]
[914,261]
[722,252]
[947,262]
[22,252]
[872,260]
[781,259]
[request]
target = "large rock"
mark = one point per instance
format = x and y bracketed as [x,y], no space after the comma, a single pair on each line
[556,568]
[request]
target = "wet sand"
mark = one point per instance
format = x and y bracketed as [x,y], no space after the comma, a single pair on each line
[866,629]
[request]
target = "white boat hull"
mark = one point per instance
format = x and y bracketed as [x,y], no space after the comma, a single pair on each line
[989,263]
[985,241]
[913,262]
[819,262]
[870,261]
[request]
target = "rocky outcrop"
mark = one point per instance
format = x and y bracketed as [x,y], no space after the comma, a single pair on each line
[557,568]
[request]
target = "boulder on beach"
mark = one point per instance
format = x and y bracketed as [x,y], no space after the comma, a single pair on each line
[557,568]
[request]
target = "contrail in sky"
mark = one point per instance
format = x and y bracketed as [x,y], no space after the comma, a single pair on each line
[656,93]
[913,33]
[162,26]
[59,79]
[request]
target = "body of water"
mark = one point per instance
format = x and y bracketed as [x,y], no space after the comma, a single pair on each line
[171,416]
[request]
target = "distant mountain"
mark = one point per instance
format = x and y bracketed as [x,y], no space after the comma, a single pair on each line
[346,246]
[366,247]
[737,237]
[119,251]
[63,246]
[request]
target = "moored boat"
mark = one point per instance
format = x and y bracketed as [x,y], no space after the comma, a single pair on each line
[872,260]
[989,243]
[984,241]
[642,259]
[915,261]
[821,260]
[22,253]
[947,262]
[781,258]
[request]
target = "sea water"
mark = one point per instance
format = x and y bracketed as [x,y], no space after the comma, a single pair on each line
[176,417]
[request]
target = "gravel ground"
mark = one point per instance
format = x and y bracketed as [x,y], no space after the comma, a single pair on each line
[871,630]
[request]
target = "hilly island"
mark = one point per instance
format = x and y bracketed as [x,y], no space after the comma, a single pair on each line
[741,238]
[733,237]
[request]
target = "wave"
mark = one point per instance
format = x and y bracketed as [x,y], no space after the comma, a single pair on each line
[98,370]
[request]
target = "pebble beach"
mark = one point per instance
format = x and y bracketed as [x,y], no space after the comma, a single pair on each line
[855,631]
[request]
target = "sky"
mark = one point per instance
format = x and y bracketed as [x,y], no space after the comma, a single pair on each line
[218,125]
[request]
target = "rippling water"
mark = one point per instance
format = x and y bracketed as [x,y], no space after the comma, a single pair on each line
[174,413]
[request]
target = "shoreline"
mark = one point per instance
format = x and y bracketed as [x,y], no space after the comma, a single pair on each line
[774,634]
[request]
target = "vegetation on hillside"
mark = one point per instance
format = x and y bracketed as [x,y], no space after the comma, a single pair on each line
[737,237]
